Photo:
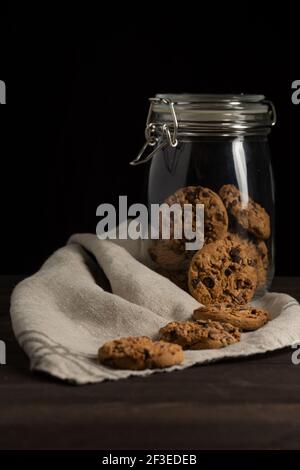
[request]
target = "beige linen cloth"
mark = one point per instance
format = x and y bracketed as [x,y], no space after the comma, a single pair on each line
[61,315]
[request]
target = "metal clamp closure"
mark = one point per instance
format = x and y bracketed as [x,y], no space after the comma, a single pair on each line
[157,135]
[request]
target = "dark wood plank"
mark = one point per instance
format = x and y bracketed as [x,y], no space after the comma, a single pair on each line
[249,404]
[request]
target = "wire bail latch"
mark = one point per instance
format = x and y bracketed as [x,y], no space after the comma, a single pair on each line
[158,135]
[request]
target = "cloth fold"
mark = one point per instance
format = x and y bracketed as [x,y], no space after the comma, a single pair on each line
[62,314]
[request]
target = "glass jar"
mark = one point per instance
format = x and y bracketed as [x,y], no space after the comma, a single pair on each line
[213,149]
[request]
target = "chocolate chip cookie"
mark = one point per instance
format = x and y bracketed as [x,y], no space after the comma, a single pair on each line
[215,214]
[243,317]
[222,271]
[200,334]
[139,353]
[248,214]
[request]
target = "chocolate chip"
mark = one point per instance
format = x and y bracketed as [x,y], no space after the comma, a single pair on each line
[195,282]
[234,254]
[219,217]
[205,194]
[146,353]
[228,272]
[209,282]
[191,196]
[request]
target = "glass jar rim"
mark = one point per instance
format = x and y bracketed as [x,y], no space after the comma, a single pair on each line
[197,98]
[219,114]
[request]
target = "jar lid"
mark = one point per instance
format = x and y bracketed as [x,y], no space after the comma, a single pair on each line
[172,116]
[199,114]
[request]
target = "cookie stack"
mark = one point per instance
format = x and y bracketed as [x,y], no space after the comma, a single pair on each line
[233,263]
[223,276]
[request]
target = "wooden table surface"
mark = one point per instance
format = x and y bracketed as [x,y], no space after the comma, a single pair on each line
[238,404]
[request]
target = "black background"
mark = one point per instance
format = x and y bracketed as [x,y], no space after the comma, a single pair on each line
[77,104]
